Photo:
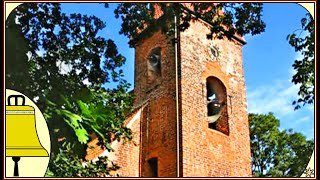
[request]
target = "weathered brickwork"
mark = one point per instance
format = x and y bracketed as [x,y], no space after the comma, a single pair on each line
[208,152]
[156,138]
[158,131]
[203,151]
[126,154]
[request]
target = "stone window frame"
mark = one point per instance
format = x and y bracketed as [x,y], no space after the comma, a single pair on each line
[217,108]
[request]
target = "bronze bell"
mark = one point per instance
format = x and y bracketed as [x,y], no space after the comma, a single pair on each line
[21,134]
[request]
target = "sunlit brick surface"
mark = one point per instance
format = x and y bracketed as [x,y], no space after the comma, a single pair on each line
[203,151]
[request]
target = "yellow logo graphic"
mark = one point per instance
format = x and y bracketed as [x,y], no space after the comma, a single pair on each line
[22,139]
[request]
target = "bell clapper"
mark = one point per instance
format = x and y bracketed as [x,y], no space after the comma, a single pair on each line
[16,168]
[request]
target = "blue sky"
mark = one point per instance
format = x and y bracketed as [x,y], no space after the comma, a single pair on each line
[267,61]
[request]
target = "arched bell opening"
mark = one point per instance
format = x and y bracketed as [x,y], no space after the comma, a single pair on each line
[217,114]
[154,64]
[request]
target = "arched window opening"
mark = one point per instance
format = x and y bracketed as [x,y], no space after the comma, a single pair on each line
[217,105]
[154,64]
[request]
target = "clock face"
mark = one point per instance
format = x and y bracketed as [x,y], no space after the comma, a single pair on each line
[214,51]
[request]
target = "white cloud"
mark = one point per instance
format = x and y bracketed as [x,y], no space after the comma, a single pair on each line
[304,119]
[299,121]
[276,98]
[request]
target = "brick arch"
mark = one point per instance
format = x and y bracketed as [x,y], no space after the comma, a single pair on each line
[214,69]
[218,86]
[213,72]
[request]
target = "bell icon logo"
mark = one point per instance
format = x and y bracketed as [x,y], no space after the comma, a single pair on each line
[27,137]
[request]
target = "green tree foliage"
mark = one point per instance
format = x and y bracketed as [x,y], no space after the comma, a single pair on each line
[302,40]
[67,163]
[66,74]
[277,153]
[238,18]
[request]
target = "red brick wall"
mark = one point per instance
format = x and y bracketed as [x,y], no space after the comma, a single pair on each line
[207,152]
[204,152]
[126,154]
[155,129]
[158,132]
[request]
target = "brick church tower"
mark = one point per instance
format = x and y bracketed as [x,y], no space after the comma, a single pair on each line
[191,114]
[215,129]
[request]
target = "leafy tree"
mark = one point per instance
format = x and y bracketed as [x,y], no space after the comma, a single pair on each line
[67,163]
[66,72]
[302,40]
[237,18]
[277,153]
[70,63]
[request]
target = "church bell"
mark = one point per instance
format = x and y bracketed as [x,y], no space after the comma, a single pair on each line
[21,134]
